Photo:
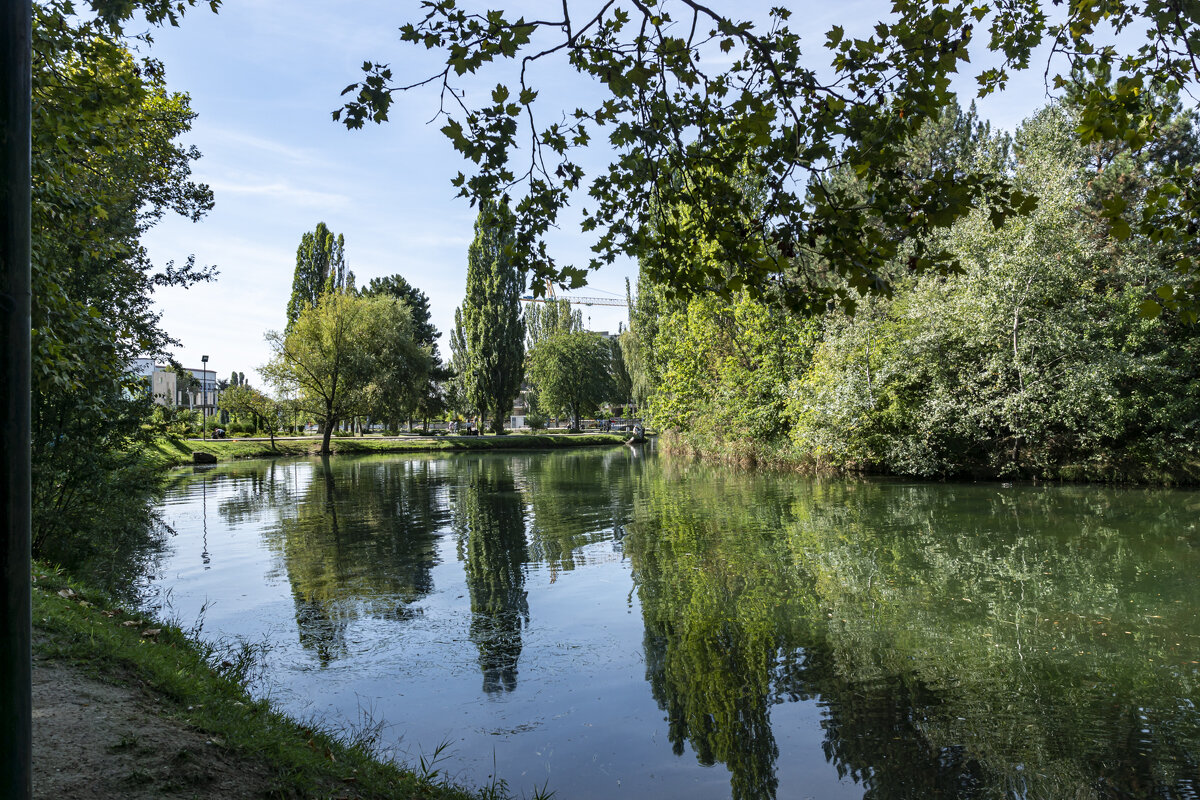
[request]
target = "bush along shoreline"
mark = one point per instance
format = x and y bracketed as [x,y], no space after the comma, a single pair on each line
[197,686]
[1044,355]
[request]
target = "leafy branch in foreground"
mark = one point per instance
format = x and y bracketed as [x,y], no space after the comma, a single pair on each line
[692,129]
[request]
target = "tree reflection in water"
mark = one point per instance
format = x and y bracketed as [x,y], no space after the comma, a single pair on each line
[963,642]
[960,641]
[489,516]
[359,540]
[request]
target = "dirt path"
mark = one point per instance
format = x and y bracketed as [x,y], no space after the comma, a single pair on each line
[93,740]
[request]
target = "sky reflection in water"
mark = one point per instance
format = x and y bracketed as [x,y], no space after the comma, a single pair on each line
[616,624]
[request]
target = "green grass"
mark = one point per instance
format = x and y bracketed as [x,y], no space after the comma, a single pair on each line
[177,452]
[204,688]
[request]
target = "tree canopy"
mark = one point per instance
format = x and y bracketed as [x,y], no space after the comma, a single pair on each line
[571,372]
[267,413]
[424,331]
[543,320]
[711,114]
[107,165]
[431,399]
[345,355]
[1035,361]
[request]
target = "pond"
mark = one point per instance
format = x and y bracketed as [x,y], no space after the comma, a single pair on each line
[617,624]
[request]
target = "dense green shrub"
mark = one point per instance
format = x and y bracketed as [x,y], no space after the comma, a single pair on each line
[1034,360]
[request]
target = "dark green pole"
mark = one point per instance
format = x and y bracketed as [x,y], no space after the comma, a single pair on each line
[16,763]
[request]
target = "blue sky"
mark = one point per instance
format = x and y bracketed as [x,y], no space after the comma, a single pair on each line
[264,76]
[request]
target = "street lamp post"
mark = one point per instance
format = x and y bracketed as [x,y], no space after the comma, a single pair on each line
[204,398]
[16,704]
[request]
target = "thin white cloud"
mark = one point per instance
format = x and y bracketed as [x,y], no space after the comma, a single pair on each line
[298,156]
[284,192]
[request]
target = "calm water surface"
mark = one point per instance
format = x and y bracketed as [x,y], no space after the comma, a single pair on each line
[615,624]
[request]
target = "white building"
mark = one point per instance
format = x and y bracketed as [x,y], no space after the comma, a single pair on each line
[160,380]
[203,393]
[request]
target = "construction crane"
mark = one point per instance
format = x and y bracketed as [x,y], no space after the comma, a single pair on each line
[552,296]
[573,300]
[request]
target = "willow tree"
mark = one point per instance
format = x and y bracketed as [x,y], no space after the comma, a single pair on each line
[493,328]
[345,352]
[572,372]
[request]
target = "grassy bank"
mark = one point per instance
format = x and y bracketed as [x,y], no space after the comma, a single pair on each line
[177,452]
[197,687]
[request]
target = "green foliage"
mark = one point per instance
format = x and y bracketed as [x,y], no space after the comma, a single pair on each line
[320,268]
[622,381]
[348,356]
[456,387]
[637,343]
[572,373]
[543,320]
[1034,360]
[175,421]
[431,399]
[690,131]
[1049,370]
[491,365]
[424,331]
[106,167]
[243,399]
[725,372]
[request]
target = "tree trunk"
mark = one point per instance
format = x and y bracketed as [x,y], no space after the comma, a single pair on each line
[327,434]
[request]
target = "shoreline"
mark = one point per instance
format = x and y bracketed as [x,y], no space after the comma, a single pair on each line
[131,706]
[173,452]
[752,455]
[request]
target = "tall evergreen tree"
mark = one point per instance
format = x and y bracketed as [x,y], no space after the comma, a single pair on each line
[493,327]
[320,268]
[418,305]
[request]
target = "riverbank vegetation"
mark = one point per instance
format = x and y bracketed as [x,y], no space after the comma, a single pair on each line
[107,165]
[169,452]
[1043,356]
[202,686]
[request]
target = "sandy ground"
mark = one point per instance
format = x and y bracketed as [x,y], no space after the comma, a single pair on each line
[92,740]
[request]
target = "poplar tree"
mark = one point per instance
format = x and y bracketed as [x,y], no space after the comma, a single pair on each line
[543,320]
[493,328]
[456,389]
[320,268]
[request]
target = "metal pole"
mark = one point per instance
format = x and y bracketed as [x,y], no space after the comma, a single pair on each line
[16,765]
[204,398]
